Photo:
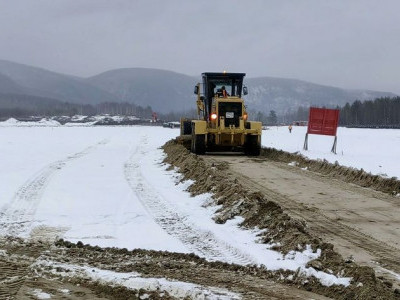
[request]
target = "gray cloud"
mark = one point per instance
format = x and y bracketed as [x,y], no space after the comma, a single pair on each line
[351,44]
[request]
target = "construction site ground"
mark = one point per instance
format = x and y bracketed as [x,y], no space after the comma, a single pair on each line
[361,223]
[357,228]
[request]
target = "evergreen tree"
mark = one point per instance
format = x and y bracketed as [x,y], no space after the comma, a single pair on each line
[272,118]
[379,112]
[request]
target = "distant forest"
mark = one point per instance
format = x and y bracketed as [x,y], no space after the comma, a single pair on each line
[381,112]
[21,106]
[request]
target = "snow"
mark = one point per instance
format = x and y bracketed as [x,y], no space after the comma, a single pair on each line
[134,281]
[9,122]
[78,118]
[43,122]
[108,186]
[374,150]
[40,294]
[47,122]
[78,176]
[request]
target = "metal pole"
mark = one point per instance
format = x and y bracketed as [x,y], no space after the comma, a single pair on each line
[334,145]
[306,142]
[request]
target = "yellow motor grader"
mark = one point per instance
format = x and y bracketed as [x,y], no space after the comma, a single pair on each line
[222,123]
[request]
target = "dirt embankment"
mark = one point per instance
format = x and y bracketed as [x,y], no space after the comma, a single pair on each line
[285,232]
[351,175]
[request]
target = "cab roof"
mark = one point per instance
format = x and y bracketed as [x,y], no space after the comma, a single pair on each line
[221,75]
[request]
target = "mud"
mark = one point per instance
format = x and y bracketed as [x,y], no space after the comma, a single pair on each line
[286,232]
[351,175]
[44,267]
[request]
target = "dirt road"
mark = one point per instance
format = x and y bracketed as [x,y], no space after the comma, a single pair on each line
[263,191]
[361,223]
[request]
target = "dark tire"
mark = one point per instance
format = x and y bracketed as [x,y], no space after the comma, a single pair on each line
[252,147]
[198,144]
[199,141]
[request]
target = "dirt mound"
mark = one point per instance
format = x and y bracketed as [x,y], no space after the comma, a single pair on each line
[352,175]
[236,200]
[285,232]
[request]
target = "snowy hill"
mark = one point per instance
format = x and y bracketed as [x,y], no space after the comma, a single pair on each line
[165,91]
[169,91]
[43,83]
[286,95]
[7,85]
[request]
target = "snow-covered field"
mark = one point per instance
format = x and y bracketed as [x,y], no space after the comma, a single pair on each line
[75,180]
[374,150]
[107,186]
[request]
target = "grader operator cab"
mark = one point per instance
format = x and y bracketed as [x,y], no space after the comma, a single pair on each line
[222,123]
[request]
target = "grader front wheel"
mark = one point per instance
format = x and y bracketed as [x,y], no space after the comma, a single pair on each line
[198,145]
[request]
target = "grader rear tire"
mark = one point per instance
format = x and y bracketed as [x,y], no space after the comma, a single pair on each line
[252,146]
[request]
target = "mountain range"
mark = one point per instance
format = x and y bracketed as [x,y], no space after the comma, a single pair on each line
[166,91]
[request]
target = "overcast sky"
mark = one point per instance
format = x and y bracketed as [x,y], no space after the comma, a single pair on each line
[344,43]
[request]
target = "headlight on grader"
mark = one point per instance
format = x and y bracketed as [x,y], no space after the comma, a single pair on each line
[213,116]
[245,116]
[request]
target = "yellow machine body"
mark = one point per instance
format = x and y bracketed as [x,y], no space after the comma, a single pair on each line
[222,123]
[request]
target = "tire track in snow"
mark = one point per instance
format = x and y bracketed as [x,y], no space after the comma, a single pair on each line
[17,216]
[202,242]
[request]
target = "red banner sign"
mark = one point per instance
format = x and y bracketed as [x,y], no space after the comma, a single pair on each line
[323,121]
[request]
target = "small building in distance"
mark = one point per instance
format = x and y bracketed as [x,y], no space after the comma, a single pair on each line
[300,123]
[171,124]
